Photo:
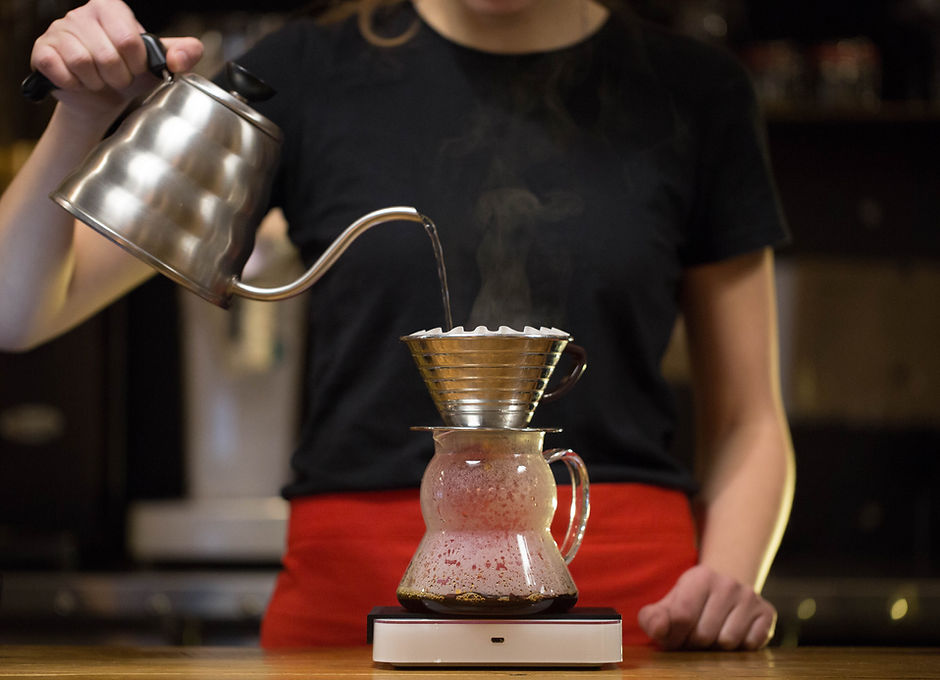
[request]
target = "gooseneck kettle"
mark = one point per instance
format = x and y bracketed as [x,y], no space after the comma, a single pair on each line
[184,181]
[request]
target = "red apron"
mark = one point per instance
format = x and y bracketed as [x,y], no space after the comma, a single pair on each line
[346,553]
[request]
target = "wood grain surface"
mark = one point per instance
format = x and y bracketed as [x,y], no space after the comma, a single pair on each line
[169,663]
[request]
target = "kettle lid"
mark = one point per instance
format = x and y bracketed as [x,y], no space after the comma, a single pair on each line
[236,101]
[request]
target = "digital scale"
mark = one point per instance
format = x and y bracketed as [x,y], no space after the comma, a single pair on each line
[490,469]
[588,637]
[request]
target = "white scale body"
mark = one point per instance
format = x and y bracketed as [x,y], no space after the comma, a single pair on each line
[582,637]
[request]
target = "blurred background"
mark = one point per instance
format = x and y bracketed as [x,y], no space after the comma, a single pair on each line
[141,455]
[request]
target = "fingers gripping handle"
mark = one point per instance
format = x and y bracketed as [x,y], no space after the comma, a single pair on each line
[580,500]
[37,87]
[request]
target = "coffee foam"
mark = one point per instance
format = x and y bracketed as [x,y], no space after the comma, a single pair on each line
[490,563]
[460,331]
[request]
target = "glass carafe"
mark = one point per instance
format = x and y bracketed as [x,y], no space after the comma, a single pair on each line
[488,497]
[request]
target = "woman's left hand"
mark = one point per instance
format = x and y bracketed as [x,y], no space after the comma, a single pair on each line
[708,610]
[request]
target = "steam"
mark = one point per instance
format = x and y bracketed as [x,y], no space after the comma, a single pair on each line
[521,129]
[510,217]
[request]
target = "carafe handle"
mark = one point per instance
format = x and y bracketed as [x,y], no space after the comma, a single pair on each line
[580,499]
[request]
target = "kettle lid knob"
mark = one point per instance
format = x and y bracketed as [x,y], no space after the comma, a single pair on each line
[245,85]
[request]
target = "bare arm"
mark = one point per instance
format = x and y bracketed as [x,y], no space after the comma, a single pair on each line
[745,459]
[55,272]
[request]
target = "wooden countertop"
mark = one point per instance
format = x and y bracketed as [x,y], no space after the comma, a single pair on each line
[168,663]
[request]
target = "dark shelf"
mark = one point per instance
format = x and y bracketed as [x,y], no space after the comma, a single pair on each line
[886,114]
[859,183]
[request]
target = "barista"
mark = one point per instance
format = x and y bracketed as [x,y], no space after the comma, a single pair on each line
[586,171]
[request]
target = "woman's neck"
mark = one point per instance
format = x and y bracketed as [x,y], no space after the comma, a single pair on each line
[513,26]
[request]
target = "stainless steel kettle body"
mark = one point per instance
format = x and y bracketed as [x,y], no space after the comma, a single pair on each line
[184,182]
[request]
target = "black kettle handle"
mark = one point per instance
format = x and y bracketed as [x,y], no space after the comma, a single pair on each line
[37,87]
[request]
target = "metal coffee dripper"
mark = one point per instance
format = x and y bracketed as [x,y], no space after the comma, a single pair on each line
[493,379]
[487,495]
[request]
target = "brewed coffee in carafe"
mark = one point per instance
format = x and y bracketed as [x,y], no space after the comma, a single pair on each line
[488,498]
[488,495]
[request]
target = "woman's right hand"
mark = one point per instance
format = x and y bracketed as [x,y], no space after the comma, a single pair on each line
[96,59]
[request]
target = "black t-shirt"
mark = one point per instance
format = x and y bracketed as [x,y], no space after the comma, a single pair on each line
[570,189]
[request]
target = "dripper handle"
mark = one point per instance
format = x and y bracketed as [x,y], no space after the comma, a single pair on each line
[580,499]
[580,364]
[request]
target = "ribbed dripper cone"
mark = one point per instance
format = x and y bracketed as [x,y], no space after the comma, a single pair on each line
[489,379]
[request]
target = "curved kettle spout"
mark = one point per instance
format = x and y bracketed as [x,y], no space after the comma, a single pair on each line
[329,256]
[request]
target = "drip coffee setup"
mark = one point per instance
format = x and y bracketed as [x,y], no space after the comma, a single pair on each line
[488,584]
